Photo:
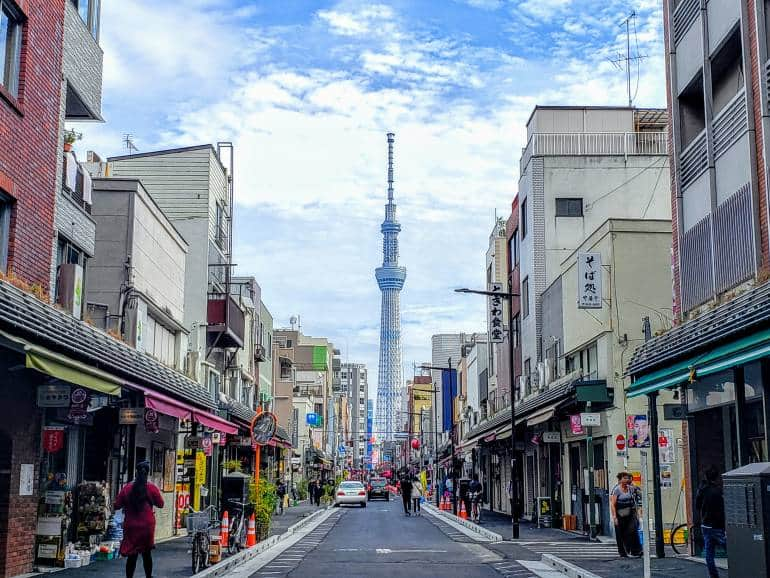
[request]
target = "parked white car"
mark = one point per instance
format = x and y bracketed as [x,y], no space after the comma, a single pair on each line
[350,493]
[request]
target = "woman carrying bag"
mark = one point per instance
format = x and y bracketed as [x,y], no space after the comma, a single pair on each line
[623,500]
[417,492]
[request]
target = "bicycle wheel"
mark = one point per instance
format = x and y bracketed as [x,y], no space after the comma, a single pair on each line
[233,545]
[240,539]
[196,555]
[682,546]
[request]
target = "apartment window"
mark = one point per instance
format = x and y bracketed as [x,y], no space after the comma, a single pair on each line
[692,111]
[528,376]
[220,226]
[10,47]
[516,330]
[160,342]
[6,205]
[523,218]
[525,298]
[513,249]
[89,13]
[727,72]
[569,207]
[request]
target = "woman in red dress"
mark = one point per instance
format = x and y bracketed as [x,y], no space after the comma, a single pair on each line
[137,500]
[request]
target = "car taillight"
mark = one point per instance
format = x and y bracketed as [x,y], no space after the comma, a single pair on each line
[361,493]
[340,493]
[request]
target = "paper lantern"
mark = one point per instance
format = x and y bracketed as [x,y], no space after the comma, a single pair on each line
[416,444]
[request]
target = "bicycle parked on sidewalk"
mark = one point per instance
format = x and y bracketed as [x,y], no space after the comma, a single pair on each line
[199,526]
[238,526]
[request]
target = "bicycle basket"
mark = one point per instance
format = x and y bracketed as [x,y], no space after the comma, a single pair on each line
[198,521]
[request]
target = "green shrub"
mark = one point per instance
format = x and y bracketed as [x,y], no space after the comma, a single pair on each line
[302,489]
[264,500]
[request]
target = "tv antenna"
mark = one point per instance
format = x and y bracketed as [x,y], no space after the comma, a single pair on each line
[128,143]
[623,62]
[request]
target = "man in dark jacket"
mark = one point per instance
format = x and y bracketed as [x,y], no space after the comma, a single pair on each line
[711,505]
[406,494]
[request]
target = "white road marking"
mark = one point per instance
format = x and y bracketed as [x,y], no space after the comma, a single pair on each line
[541,569]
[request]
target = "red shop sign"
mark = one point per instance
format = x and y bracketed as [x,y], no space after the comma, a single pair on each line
[53,439]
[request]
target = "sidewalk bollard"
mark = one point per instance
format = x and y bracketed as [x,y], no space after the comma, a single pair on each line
[251,534]
[224,534]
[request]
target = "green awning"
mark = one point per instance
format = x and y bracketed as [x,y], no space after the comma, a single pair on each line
[319,357]
[72,371]
[744,350]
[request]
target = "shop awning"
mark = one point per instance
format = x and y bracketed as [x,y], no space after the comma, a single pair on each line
[541,416]
[69,370]
[167,406]
[745,350]
[215,422]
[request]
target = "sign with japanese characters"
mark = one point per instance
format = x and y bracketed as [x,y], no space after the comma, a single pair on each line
[495,314]
[53,439]
[53,396]
[589,281]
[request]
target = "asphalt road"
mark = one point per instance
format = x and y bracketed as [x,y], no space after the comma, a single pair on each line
[380,541]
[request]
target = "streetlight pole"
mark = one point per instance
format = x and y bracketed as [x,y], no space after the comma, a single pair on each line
[508,296]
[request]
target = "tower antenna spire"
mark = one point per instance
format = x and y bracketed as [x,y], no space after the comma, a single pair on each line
[391,139]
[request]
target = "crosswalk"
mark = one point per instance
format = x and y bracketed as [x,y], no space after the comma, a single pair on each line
[512,569]
[574,549]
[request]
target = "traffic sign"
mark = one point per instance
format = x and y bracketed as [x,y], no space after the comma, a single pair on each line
[620,442]
[590,419]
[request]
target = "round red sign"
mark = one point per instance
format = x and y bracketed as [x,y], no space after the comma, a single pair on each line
[620,442]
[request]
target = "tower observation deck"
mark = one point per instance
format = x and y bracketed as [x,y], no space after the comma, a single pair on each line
[390,278]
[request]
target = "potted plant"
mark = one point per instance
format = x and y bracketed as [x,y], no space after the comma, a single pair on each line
[70,136]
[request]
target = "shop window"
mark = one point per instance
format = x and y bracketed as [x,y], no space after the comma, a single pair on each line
[10,47]
[6,205]
[727,72]
[711,391]
[692,111]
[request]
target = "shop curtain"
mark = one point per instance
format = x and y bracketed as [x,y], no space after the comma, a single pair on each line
[71,371]
[448,394]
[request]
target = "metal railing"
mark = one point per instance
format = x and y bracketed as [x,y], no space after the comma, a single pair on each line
[730,124]
[685,14]
[594,143]
[693,160]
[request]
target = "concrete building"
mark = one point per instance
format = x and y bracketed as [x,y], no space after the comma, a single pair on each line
[355,385]
[717,89]
[569,150]
[136,280]
[497,272]
[243,383]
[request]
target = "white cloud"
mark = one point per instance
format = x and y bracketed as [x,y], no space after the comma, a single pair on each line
[360,22]
[483,4]
[544,9]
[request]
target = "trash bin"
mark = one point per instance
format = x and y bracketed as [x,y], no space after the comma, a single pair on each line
[747,519]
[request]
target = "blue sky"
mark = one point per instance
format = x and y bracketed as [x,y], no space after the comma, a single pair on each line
[307,90]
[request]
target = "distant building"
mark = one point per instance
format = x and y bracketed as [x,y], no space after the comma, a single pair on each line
[355,384]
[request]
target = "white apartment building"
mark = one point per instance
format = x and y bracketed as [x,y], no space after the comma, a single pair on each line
[355,386]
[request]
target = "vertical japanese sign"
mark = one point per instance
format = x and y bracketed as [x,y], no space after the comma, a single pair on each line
[495,314]
[589,281]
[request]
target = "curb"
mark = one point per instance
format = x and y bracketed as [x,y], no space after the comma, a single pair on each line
[489,535]
[223,567]
[567,568]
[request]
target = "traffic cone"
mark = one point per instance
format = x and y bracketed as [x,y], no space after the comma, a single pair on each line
[224,533]
[251,534]
[461,512]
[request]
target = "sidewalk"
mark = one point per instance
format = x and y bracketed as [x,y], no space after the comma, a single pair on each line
[172,559]
[670,567]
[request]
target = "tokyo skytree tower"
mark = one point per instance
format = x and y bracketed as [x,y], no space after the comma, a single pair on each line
[390,278]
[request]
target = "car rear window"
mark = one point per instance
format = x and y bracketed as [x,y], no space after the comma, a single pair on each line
[351,485]
[378,483]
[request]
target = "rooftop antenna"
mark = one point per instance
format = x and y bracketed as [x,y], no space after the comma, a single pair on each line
[128,143]
[391,138]
[624,62]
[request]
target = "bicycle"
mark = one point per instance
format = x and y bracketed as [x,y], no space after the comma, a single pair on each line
[199,525]
[237,537]
[681,535]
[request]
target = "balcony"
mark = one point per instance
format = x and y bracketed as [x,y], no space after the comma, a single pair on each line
[226,322]
[82,68]
[685,15]
[594,144]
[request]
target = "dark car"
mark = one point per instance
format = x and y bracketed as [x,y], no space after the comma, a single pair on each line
[377,488]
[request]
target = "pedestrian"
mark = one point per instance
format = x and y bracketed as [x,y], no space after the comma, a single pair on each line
[711,505]
[406,494]
[294,491]
[475,494]
[137,499]
[417,491]
[449,488]
[317,492]
[623,501]
[281,491]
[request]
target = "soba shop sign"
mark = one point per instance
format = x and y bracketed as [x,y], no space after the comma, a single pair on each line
[131,415]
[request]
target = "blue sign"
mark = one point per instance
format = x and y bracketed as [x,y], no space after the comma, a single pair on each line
[313,419]
[341,450]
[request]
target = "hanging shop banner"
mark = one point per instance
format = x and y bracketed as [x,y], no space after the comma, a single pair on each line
[666,475]
[575,425]
[448,395]
[151,420]
[589,280]
[79,404]
[263,428]
[53,396]
[53,439]
[216,438]
[666,445]
[130,415]
[200,468]
[638,431]
[495,314]
[206,444]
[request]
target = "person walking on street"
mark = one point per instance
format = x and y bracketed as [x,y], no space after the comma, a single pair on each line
[137,499]
[317,492]
[417,491]
[281,491]
[475,494]
[711,505]
[294,491]
[406,494]
[623,500]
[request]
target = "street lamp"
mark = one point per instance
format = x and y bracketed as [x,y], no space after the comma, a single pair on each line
[508,296]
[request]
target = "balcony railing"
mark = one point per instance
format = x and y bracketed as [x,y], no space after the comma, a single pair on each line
[226,322]
[685,14]
[730,124]
[594,144]
[693,160]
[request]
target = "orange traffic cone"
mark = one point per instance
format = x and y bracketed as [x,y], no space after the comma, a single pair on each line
[461,512]
[251,534]
[224,534]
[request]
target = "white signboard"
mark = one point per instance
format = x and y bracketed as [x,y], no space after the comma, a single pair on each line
[495,314]
[27,480]
[295,460]
[589,281]
[590,419]
[53,396]
[551,437]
